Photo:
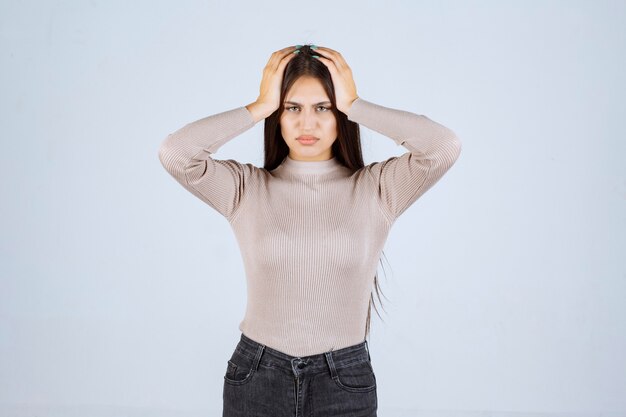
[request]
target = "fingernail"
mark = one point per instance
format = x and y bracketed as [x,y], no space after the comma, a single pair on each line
[298,46]
[313,47]
[297,51]
[315,56]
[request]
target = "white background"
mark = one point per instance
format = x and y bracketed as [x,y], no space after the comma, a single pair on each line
[121,293]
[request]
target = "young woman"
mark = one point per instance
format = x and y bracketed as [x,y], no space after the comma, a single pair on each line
[311,225]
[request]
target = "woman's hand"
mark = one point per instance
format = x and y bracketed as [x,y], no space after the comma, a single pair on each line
[269,96]
[345,89]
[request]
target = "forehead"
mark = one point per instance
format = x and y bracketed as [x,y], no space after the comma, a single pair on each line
[307,89]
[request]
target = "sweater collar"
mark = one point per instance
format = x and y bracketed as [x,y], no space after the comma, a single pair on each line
[310,167]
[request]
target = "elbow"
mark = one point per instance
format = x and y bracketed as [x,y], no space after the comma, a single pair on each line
[454,143]
[174,158]
[164,152]
[457,146]
[452,148]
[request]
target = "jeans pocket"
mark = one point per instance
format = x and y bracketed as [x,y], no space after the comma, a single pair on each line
[357,377]
[239,369]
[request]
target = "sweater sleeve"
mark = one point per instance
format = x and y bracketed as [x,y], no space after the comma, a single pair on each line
[187,155]
[432,150]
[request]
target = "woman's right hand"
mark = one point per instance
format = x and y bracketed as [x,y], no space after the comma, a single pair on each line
[269,94]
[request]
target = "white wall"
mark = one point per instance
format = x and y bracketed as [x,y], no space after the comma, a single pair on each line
[121,293]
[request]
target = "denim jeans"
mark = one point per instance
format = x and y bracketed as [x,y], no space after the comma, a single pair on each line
[263,382]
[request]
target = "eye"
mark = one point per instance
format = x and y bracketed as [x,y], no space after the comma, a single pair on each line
[325,109]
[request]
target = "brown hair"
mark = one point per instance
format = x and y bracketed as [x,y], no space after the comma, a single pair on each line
[346,149]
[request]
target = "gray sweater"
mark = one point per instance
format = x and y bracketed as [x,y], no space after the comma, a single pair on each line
[310,232]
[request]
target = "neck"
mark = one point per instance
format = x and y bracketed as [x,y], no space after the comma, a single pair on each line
[310,167]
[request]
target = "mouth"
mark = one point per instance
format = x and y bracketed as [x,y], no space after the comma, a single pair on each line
[307,140]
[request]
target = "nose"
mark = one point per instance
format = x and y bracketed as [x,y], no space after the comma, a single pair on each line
[308,120]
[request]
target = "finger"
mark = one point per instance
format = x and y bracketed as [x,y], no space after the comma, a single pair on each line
[278,66]
[334,55]
[285,60]
[284,50]
[330,64]
[327,51]
[278,56]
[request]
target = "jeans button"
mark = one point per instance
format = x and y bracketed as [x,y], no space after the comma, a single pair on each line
[301,365]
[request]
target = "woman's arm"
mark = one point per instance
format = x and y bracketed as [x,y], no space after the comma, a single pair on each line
[186,155]
[433,149]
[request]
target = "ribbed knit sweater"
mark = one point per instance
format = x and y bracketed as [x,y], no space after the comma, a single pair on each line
[310,232]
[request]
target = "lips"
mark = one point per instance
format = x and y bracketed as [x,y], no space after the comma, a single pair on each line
[307,140]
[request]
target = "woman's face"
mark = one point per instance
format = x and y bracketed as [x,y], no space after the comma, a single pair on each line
[308,113]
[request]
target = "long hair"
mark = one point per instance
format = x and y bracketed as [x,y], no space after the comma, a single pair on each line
[346,148]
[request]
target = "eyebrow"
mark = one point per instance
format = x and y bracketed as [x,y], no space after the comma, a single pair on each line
[316,104]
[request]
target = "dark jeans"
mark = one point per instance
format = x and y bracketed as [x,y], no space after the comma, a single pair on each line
[263,382]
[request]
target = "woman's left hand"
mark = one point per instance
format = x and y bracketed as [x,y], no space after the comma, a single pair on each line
[345,88]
